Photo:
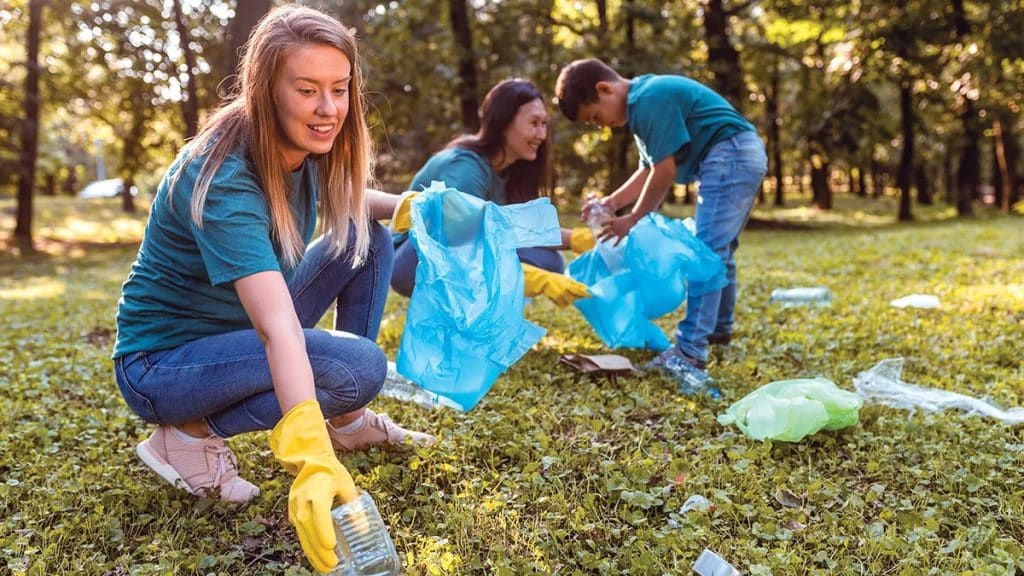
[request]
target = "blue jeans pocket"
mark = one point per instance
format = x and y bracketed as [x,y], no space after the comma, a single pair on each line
[129,369]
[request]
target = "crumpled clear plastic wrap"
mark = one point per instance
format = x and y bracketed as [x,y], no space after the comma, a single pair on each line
[882,384]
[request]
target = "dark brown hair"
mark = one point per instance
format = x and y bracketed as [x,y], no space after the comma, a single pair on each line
[577,84]
[526,179]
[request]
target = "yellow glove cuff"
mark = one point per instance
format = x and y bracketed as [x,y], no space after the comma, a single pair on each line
[401,220]
[581,240]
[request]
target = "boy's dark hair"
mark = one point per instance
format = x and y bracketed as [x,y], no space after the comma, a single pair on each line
[576,85]
[526,179]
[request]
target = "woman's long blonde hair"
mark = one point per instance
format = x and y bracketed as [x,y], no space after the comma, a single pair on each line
[249,116]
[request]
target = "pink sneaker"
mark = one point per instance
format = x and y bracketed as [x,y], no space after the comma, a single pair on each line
[204,468]
[376,429]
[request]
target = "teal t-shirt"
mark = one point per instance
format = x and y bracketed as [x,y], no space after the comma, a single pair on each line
[180,287]
[680,117]
[464,170]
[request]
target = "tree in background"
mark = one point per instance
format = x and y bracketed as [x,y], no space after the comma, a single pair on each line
[29,128]
[247,14]
[466,86]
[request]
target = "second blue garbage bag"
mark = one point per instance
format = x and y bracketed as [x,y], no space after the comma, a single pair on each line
[645,277]
[465,324]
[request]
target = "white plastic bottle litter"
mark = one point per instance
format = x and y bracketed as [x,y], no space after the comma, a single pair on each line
[364,546]
[802,296]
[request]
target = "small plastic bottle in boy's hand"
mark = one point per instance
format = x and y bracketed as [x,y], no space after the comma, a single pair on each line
[597,214]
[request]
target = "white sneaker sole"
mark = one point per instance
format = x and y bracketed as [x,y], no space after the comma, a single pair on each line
[163,469]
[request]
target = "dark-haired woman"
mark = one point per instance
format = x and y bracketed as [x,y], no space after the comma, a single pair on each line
[506,162]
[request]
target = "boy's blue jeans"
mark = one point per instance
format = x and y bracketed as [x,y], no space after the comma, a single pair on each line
[403,278]
[225,379]
[730,177]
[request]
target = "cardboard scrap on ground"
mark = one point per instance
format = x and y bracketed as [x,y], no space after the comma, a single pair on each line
[611,365]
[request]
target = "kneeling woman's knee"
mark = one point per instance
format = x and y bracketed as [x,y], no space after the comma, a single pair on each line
[348,370]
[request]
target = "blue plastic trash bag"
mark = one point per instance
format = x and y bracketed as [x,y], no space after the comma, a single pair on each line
[645,277]
[465,324]
[789,410]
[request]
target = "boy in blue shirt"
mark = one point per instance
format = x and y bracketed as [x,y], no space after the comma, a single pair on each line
[684,132]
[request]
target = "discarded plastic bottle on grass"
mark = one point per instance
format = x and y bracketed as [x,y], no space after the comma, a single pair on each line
[711,564]
[401,388]
[802,296]
[364,546]
[692,380]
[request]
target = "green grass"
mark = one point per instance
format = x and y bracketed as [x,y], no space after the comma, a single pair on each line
[554,473]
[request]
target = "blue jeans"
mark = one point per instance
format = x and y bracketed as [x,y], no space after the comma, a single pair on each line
[730,176]
[403,278]
[225,379]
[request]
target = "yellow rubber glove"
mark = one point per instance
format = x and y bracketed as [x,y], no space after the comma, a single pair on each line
[581,240]
[401,221]
[561,289]
[300,443]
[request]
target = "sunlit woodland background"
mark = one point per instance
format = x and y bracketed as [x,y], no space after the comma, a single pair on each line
[917,99]
[893,130]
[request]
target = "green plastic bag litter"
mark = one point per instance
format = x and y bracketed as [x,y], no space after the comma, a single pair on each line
[789,410]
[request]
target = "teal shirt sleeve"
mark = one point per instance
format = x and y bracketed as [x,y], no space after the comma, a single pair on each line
[464,170]
[658,124]
[235,239]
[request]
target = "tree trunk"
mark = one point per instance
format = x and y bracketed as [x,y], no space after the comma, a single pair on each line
[70,182]
[924,185]
[774,140]
[1007,152]
[821,193]
[467,85]
[905,175]
[50,186]
[877,179]
[862,182]
[29,129]
[723,59]
[602,18]
[969,173]
[851,177]
[130,157]
[247,14]
[190,104]
[949,175]
[621,140]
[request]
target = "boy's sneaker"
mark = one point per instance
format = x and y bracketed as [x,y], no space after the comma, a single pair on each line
[376,429]
[673,352]
[719,338]
[687,371]
[204,468]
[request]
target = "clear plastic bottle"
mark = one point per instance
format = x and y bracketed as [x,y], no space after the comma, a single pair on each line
[401,388]
[364,546]
[802,296]
[692,381]
[598,215]
[711,564]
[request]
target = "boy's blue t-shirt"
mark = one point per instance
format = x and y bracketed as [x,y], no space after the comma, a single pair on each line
[180,287]
[464,170]
[680,117]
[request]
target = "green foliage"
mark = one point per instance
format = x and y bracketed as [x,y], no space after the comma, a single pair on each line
[553,472]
